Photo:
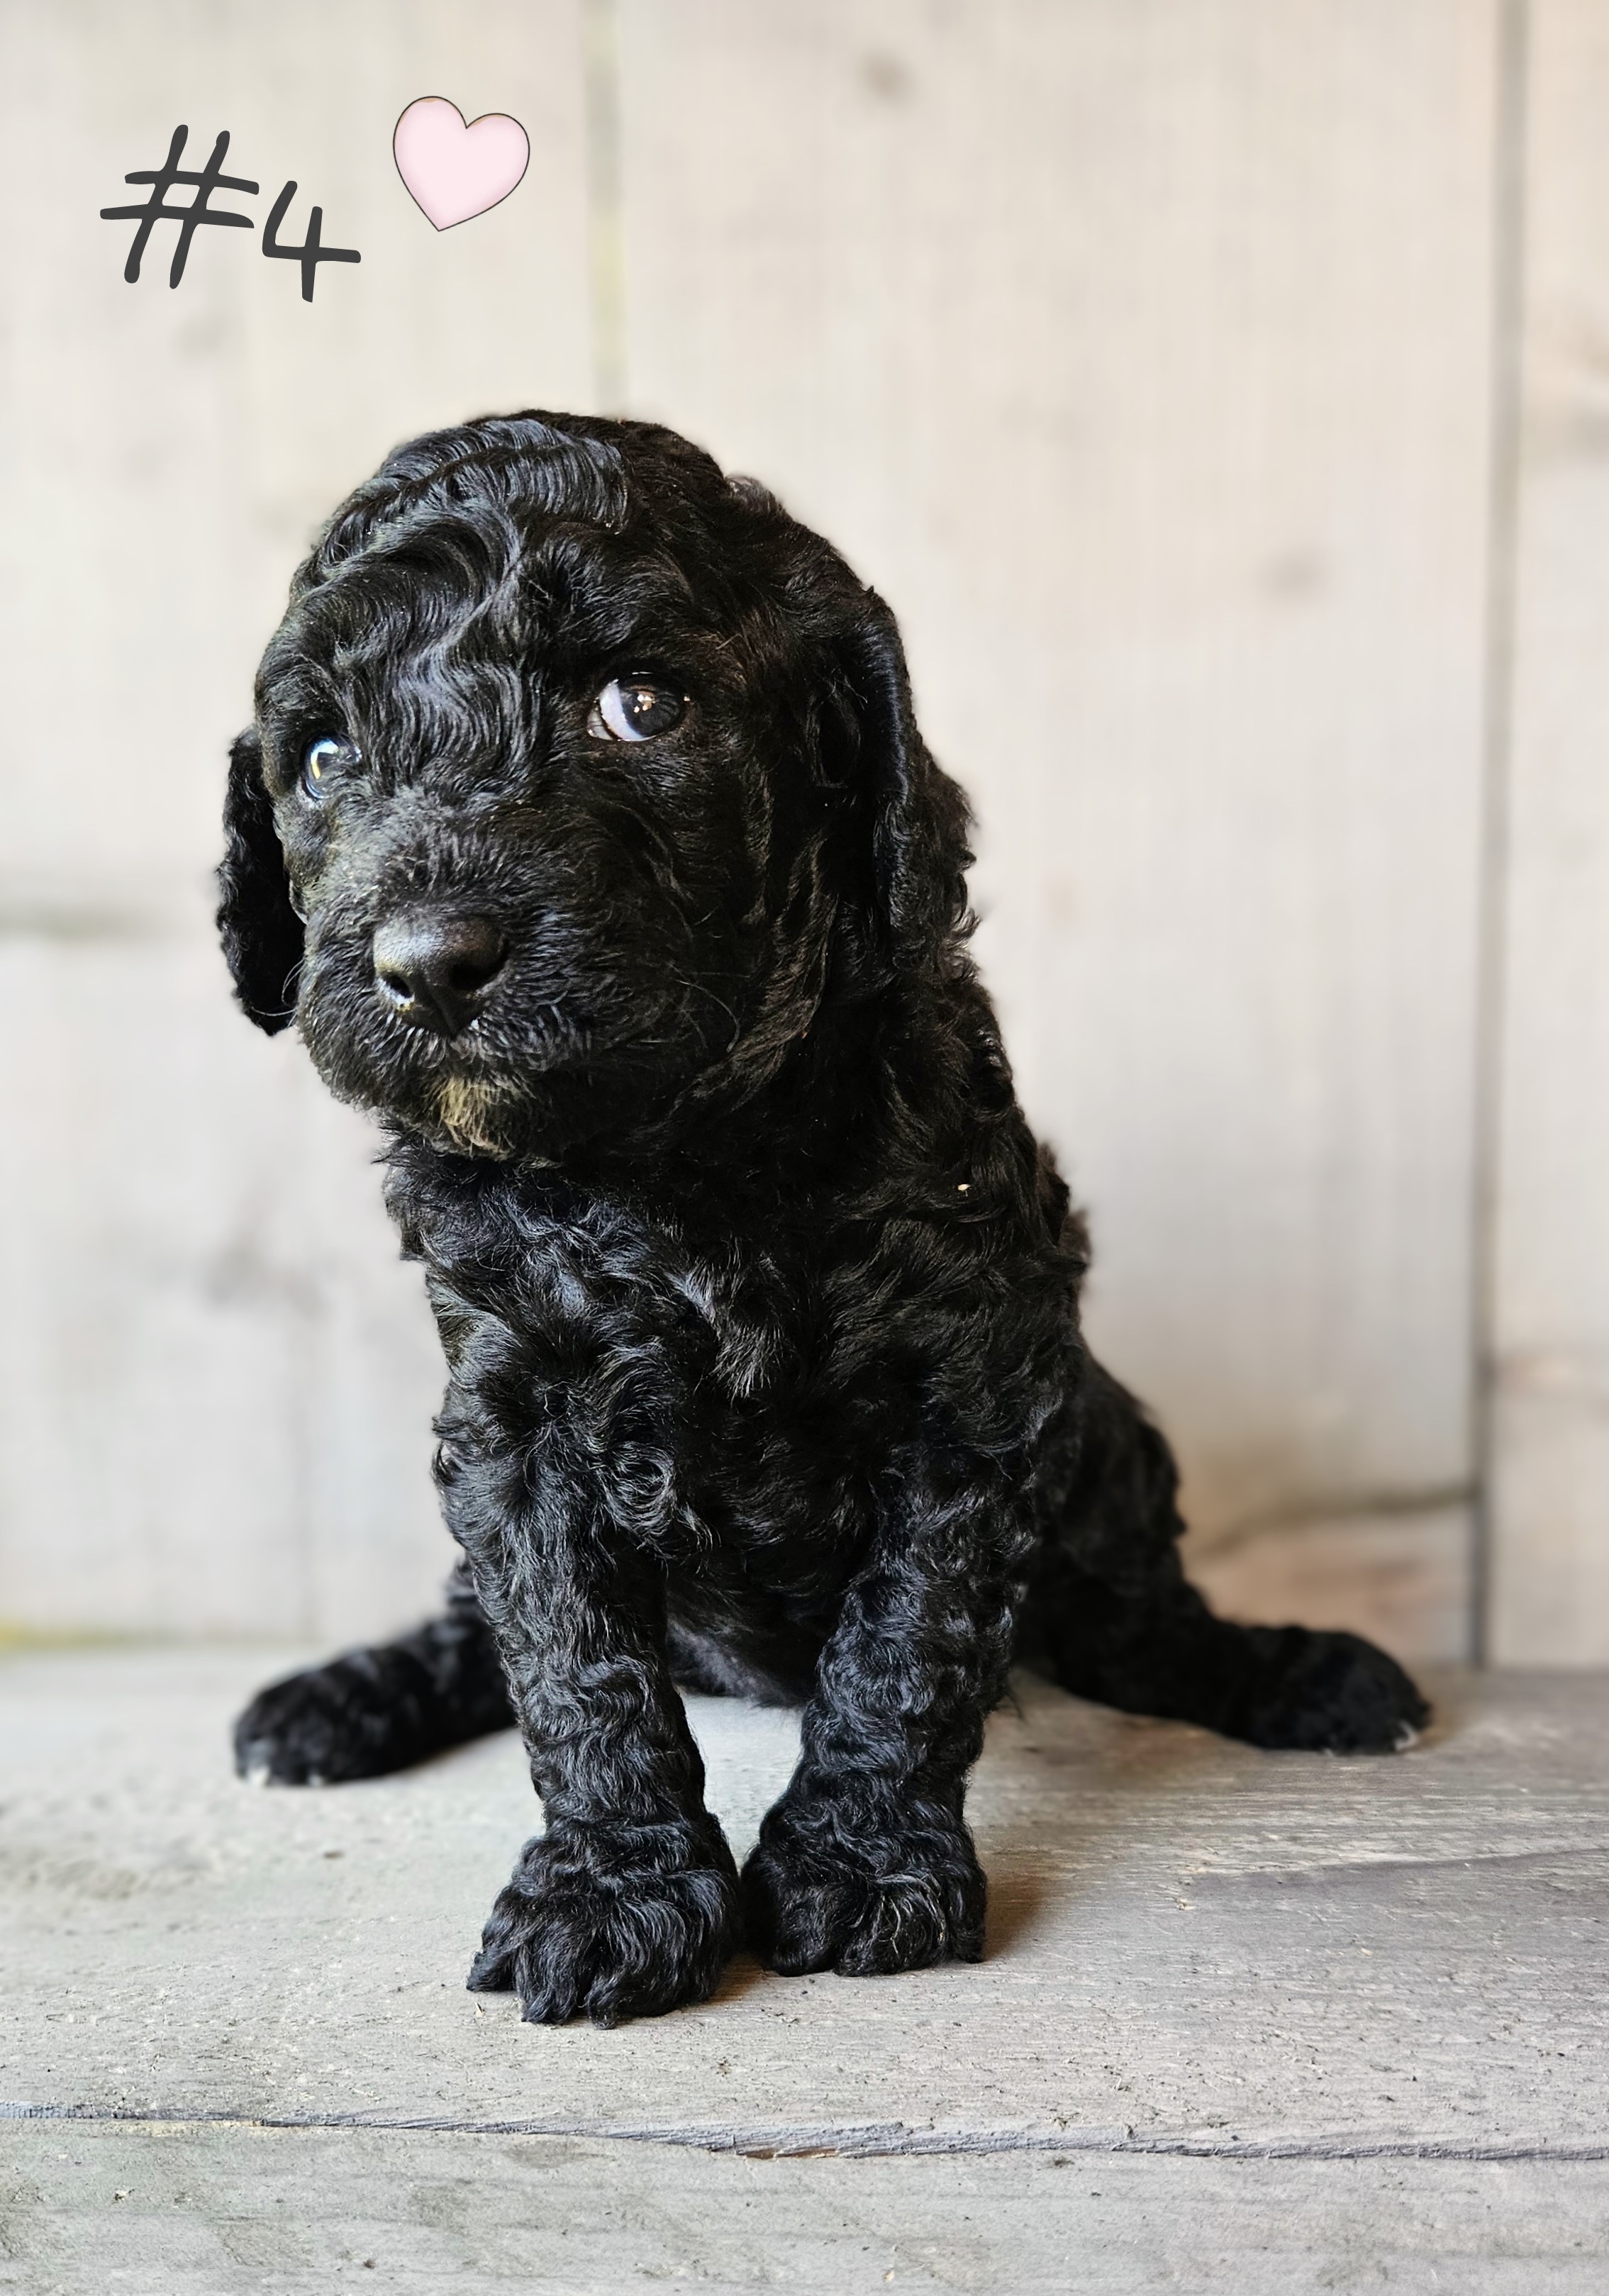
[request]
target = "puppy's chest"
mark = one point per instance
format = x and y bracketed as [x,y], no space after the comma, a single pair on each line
[739,1383]
[609,1315]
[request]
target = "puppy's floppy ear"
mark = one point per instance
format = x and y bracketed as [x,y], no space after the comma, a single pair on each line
[918,816]
[261,933]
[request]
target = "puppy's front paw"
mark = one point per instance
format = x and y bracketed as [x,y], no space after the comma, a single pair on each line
[903,1898]
[613,1923]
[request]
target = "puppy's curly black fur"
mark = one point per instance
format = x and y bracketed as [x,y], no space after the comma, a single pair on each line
[585,832]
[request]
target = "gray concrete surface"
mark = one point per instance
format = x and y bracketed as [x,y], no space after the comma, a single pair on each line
[1248,2022]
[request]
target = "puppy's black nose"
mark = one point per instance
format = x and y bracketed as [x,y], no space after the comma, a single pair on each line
[434,971]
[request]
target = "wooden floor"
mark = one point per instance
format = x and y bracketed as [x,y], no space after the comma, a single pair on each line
[1248,2022]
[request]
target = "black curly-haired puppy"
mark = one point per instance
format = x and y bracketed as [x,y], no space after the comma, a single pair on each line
[586,833]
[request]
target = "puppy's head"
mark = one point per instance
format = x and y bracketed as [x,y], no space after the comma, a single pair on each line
[580,775]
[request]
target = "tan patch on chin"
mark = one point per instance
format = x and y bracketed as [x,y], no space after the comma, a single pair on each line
[466,1112]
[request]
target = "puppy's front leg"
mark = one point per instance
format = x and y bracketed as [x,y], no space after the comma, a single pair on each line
[627,1905]
[865,1864]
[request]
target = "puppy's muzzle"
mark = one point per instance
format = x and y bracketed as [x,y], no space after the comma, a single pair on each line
[437,972]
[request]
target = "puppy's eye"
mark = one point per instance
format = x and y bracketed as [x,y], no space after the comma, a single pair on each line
[326,757]
[635,709]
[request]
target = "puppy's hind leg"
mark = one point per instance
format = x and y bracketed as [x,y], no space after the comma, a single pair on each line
[1111,1616]
[383,1709]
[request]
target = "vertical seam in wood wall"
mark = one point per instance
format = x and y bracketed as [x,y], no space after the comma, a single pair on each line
[1505,385]
[606,252]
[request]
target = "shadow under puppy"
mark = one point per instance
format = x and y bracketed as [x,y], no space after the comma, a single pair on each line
[586,833]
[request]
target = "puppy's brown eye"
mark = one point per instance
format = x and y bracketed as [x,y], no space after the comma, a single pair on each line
[635,709]
[327,757]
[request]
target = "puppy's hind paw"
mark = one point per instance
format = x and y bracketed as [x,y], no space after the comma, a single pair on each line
[331,1724]
[1335,1693]
[592,1927]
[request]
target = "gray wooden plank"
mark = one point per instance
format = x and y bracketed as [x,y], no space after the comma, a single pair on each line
[1139,356]
[197,2211]
[1193,1945]
[1550,1479]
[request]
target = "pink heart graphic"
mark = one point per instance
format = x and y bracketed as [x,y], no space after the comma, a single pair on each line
[453,169]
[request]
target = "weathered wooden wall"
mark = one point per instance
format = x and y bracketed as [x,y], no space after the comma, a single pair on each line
[1153,361]
[217,1381]
[1137,354]
[1550,1307]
